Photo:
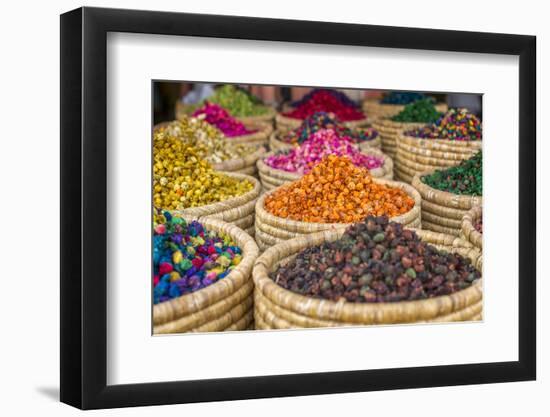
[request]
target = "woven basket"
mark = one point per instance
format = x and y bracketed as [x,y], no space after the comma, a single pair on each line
[442,211]
[278,308]
[276,144]
[187,109]
[415,155]
[376,110]
[224,305]
[469,232]
[272,178]
[270,229]
[245,165]
[260,137]
[389,130]
[285,123]
[236,210]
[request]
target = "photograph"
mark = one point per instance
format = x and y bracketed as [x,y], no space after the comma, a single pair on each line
[291,207]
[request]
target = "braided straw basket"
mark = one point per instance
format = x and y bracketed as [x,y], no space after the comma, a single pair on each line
[469,232]
[442,211]
[389,131]
[279,308]
[260,136]
[273,178]
[245,165]
[376,110]
[285,123]
[225,305]
[270,229]
[416,155]
[276,144]
[238,210]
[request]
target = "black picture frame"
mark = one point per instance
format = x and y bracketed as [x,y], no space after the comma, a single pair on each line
[84,207]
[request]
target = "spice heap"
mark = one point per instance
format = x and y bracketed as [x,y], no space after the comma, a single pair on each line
[339,95]
[182,179]
[456,124]
[319,145]
[207,139]
[396,97]
[323,120]
[187,257]
[463,179]
[421,111]
[376,261]
[336,191]
[323,101]
[221,119]
[237,101]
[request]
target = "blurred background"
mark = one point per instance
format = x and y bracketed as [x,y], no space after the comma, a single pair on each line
[168,93]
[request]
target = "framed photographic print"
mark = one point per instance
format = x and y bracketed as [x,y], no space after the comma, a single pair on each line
[258,208]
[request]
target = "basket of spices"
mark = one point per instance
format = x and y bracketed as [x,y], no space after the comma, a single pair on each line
[364,137]
[255,133]
[201,276]
[278,168]
[333,194]
[240,104]
[213,146]
[448,195]
[374,272]
[393,103]
[322,100]
[185,183]
[414,115]
[455,136]
[472,227]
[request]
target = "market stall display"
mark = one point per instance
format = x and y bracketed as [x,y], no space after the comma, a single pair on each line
[322,100]
[185,183]
[447,195]
[281,167]
[201,276]
[454,137]
[392,103]
[364,137]
[357,276]
[237,101]
[334,194]
[414,115]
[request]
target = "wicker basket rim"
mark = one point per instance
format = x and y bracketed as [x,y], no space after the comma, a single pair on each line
[225,204]
[262,268]
[411,191]
[425,188]
[250,252]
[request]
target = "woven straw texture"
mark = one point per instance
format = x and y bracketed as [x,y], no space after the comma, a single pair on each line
[285,123]
[389,131]
[245,165]
[442,211]
[270,229]
[276,144]
[469,231]
[224,305]
[376,110]
[186,110]
[272,178]
[278,308]
[415,155]
[236,210]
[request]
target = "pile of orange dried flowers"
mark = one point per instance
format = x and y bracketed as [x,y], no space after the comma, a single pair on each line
[336,191]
